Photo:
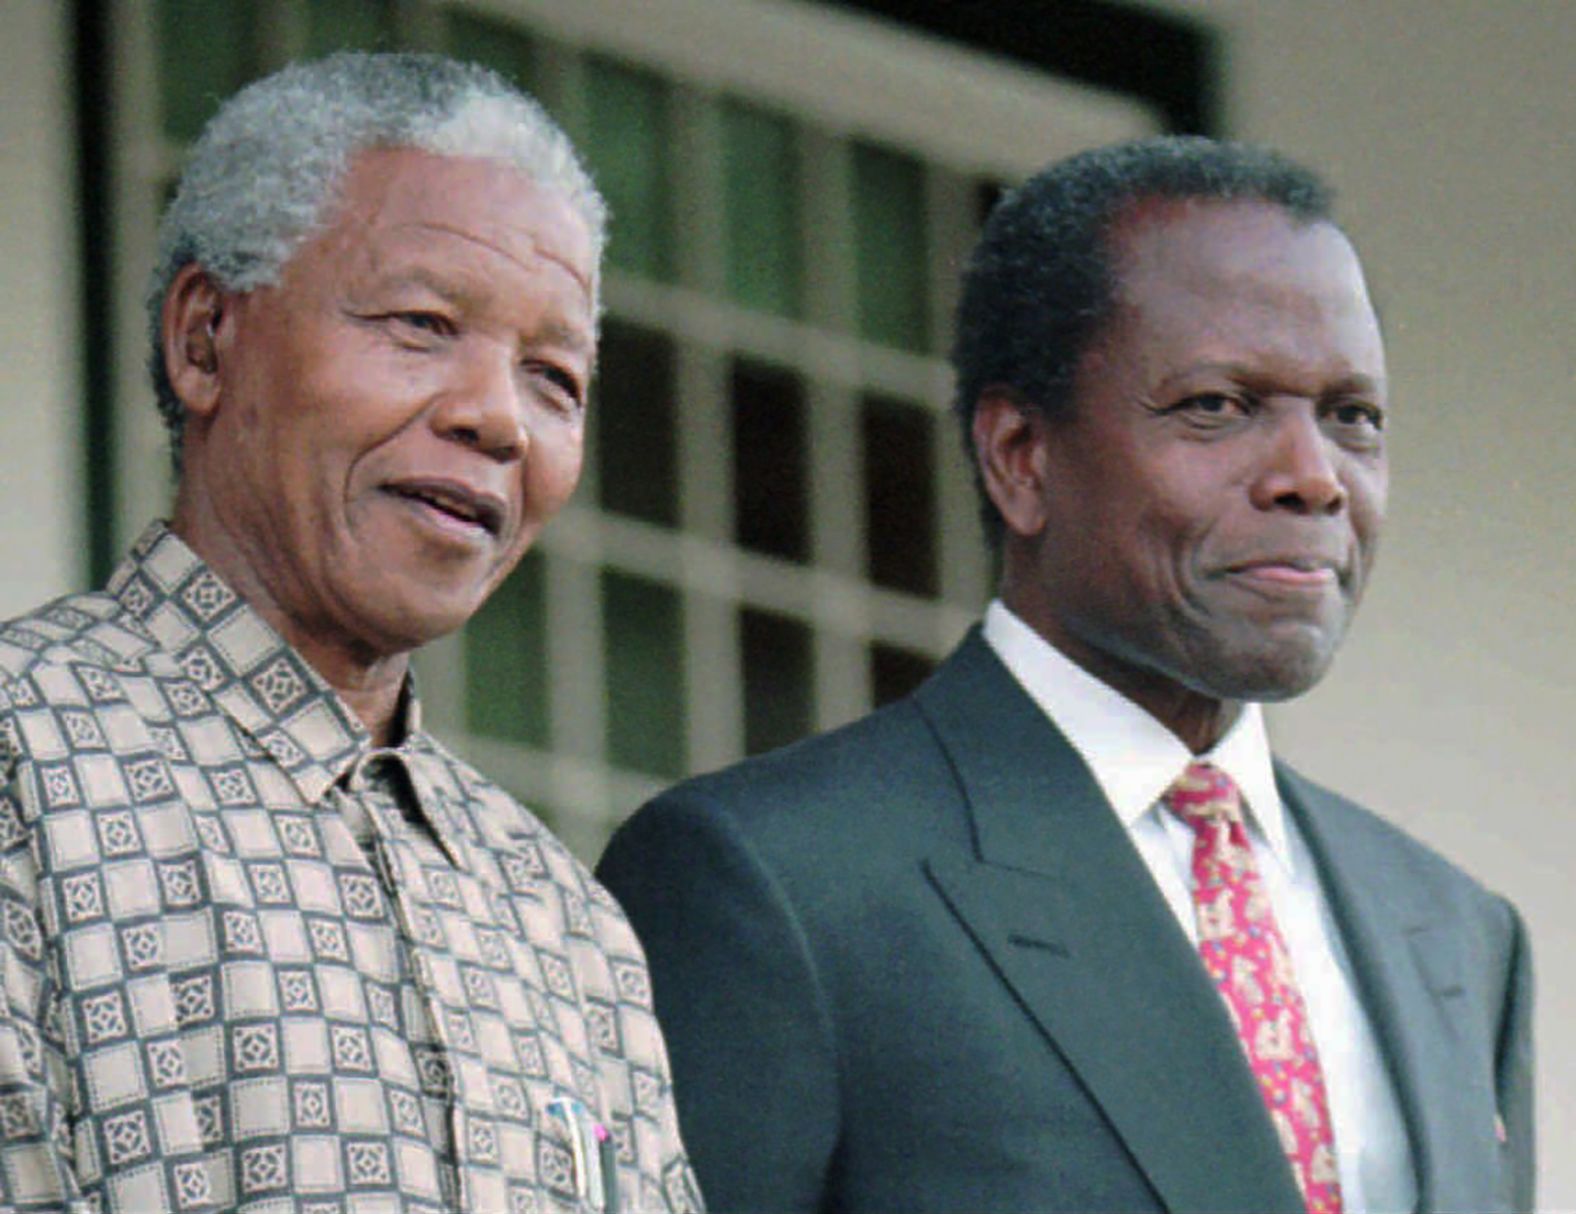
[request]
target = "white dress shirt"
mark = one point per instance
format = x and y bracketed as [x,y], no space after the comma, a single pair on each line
[1134,759]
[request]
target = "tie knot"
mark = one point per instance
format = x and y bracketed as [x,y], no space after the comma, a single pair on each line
[1203,793]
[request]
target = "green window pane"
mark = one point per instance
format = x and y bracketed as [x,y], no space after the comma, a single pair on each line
[900,495]
[779,681]
[627,144]
[637,442]
[338,25]
[506,694]
[771,477]
[895,671]
[890,245]
[761,196]
[206,51]
[643,639]
[506,49]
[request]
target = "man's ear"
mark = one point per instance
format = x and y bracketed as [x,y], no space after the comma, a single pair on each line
[1009,443]
[195,310]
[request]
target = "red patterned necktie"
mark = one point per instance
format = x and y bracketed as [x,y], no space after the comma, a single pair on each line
[1243,951]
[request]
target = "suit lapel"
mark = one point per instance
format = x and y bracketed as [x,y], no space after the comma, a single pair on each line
[1408,973]
[1059,900]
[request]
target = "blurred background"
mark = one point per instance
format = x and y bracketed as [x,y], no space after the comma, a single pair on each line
[776,529]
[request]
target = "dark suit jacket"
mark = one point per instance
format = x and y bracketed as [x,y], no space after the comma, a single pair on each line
[916,964]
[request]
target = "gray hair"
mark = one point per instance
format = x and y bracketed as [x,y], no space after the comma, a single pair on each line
[266,170]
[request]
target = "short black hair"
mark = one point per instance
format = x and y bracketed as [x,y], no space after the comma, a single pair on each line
[1041,280]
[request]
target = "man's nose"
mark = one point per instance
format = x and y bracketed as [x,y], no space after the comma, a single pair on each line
[483,408]
[1301,471]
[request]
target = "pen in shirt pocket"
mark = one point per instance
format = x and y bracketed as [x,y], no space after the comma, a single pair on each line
[593,1152]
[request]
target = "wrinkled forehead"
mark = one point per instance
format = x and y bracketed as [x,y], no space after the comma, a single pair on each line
[407,197]
[1246,245]
[1242,265]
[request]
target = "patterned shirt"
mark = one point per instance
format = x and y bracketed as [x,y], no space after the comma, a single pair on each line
[248,961]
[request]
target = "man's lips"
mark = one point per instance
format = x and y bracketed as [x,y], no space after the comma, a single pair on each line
[454,500]
[1291,571]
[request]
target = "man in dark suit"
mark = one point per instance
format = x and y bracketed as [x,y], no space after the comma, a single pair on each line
[1057,932]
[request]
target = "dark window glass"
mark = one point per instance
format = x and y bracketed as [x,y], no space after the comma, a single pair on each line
[337,25]
[643,638]
[627,145]
[206,52]
[506,694]
[894,671]
[890,248]
[779,681]
[633,412]
[506,49]
[900,495]
[761,195]
[771,491]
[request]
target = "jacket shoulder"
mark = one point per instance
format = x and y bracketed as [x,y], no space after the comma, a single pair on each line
[1403,856]
[865,760]
[834,811]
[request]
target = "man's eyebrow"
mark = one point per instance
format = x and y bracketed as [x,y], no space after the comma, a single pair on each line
[553,331]
[571,337]
[1356,383]
[420,276]
[537,249]
[1360,384]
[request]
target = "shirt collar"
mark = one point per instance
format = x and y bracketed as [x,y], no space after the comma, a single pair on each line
[225,647]
[1132,756]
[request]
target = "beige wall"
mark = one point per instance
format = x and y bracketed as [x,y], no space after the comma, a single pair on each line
[1448,125]
[1450,128]
[40,483]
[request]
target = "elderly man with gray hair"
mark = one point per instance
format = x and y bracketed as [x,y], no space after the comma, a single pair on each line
[266,944]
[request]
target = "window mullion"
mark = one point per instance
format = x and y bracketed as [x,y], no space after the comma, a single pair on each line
[962,557]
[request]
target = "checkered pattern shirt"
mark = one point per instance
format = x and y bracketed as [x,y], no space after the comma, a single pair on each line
[250,962]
